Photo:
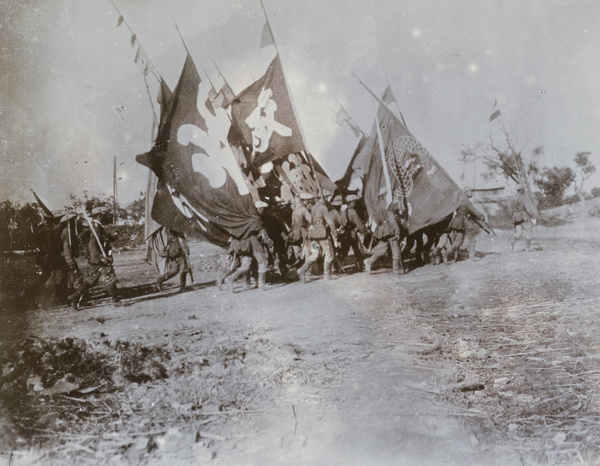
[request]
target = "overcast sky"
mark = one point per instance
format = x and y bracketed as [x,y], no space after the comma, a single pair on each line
[72,98]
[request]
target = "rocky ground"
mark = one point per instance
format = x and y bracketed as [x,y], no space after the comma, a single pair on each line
[487,362]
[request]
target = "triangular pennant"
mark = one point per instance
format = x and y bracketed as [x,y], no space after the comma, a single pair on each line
[267,36]
[495,111]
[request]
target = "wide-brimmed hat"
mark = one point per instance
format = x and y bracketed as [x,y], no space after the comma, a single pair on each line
[382,191]
[306,196]
[68,216]
[100,210]
[336,201]
[352,197]
[261,204]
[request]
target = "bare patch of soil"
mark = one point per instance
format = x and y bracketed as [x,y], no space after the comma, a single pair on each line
[486,362]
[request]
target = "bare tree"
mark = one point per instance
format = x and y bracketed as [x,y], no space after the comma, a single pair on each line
[505,157]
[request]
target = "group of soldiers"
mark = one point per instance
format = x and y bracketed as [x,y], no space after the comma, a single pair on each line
[318,231]
[324,228]
[63,237]
[316,234]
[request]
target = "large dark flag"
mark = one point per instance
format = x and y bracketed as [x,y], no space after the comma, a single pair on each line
[416,184]
[160,207]
[264,117]
[164,98]
[200,172]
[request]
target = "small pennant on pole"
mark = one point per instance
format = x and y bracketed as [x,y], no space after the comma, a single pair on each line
[267,36]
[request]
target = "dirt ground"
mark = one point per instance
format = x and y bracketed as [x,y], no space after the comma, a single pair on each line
[491,362]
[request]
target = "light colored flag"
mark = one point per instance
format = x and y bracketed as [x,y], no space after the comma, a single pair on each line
[224,97]
[344,117]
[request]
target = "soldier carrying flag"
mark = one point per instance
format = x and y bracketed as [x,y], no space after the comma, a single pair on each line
[99,253]
[387,233]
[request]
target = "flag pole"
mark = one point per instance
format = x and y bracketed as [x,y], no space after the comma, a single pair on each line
[115,213]
[386,174]
[381,102]
[134,39]
[46,210]
[308,155]
[219,71]
[151,66]
[287,87]
[378,99]
[181,37]
[189,54]
[397,104]
[350,116]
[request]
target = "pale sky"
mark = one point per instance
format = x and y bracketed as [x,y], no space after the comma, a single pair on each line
[72,98]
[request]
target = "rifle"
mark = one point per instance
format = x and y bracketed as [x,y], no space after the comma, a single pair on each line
[336,261]
[485,227]
[93,230]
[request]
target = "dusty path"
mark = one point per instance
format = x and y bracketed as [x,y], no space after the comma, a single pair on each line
[368,369]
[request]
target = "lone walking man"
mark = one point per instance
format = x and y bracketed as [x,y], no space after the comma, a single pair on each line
[524,217]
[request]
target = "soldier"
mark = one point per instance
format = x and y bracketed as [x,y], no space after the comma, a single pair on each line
[249,248]
[52,283]
[227,263]
[464,223]
[322,228]
[178,253]
[275,227]
[348,233]
[70,246]
[99,248]
[336,211]
[437,234]
[524,217]
[301,219]
[387,233]
[327,196]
